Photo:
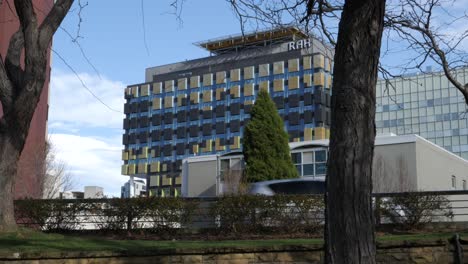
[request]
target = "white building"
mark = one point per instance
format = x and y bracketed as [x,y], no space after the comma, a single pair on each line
[135,188]
[401,163]
[92,192]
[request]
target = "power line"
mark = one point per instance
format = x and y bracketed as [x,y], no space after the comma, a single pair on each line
[83,83]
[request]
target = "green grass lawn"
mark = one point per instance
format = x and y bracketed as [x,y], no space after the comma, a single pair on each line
[32,241]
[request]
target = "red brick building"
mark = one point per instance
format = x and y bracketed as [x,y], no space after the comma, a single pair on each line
[27,180]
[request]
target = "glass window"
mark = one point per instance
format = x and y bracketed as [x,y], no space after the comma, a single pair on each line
[298,168]
[308,157]
[320,156]
[296,158]
[320,168]
[308,169]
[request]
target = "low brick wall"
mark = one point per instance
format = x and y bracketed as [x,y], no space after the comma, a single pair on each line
[420,252]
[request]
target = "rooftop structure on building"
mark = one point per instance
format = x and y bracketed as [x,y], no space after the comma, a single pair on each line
[200,107]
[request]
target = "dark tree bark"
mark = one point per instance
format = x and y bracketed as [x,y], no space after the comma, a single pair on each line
[20,88]
[350,228]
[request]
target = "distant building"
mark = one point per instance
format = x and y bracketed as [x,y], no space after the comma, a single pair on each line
[137,188]
[401,163]
[71,195]
[427,105]
[92,192]
[200,107]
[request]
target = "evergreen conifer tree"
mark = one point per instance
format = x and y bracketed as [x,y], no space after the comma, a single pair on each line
[266,149]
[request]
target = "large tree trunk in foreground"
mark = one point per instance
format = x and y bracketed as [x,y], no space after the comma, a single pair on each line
[9,158]
[22,77]
[350,229]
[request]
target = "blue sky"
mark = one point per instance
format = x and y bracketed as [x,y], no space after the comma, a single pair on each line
[86,134]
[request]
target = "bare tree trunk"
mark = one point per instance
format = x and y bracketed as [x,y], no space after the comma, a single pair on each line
[8,159]
[350,227]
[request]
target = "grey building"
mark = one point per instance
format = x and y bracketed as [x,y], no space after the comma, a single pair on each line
[200,107]
[401,163]
[135,188]
[427,105]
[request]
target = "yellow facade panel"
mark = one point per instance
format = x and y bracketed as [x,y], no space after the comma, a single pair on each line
[278,67]
[250,102]
[124,155]
[157,103]
[132,154]
[236,143]
[134,91]
[248,89]
[157,88]
[194,98]
[319,61]
[327,64]
[142,168]
[180,99]
[207,108]
[182,84]
[154,181]
[308,134]
[207,96]
[319,79]
[194,81]
[235,91]
[124,170]
[164,167]
[195,149]
[166,180]
[154,166]
[235,75]
[218,145]
[278,85]
[221,77]
[319,133]
[144,153]
[327,133]
[128,91]
[209,146]
[297,139]
[293,83]
[264,70]
[264,86]
[169,101]
[307,62]
[207,79]
[178,180]
[329,82]
[293,65]
[144,90]
[219,92]
[308,80]
[169,86]
[249,72]
[131,169]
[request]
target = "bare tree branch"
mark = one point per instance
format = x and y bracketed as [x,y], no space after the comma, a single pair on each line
[53,20]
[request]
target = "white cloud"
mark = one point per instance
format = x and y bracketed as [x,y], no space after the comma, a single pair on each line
[71,103]
[85,133]
[91,161]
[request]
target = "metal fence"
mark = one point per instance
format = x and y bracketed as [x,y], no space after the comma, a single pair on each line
[280,213]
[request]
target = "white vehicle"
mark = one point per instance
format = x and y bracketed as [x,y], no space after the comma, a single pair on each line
[289,186]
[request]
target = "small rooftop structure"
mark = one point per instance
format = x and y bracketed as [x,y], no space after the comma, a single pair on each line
[252,39]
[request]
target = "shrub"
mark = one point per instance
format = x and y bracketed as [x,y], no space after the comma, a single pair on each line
[50,215]
[412,210]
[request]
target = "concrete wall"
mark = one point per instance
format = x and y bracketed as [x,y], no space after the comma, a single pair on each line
[436,167]
[200,176]
[394,168]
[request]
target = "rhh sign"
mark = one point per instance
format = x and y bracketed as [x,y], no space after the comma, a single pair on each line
[300,44]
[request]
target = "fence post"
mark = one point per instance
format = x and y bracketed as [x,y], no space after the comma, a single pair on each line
[377,210]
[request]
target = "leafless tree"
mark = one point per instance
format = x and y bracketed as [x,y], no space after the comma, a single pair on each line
[355,29]
[55,175]
[22,77]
